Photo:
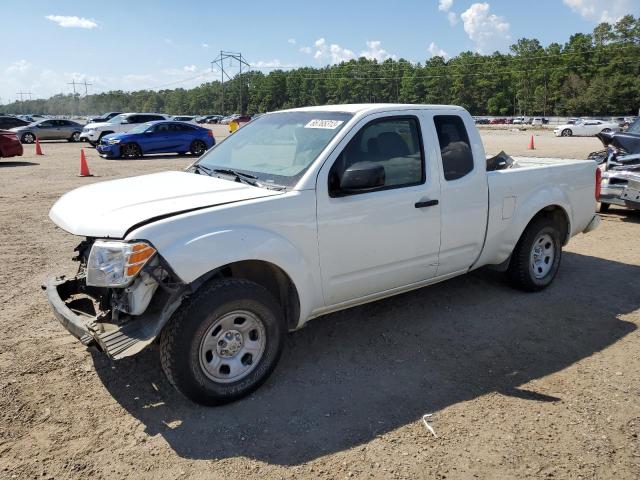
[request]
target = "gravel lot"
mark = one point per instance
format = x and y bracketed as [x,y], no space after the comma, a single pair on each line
[520,385]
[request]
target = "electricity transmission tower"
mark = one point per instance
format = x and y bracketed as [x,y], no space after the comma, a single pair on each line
[22,94]
[219,62]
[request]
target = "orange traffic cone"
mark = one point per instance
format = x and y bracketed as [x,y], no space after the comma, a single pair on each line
[84,169]
[531,144]
[38,149]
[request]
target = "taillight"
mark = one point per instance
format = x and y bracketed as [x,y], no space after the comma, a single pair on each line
[210,133]
[598,183]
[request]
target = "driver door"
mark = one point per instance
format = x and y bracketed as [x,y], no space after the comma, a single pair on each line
[387,237]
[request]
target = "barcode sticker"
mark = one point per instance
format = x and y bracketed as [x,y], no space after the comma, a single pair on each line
[328,124]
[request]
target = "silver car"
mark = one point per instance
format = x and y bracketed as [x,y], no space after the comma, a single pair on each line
[49,129]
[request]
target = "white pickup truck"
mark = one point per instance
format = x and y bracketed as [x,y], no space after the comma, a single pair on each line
[298,214]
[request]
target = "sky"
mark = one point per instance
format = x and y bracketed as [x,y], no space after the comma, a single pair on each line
[144,44]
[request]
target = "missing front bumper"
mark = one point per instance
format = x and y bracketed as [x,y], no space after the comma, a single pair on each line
[74,309]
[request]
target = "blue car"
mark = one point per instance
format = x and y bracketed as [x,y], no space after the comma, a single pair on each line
[157,137]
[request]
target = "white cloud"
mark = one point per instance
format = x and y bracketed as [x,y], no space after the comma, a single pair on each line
[291,41]
[453,18]
[189,68]
[333,52]
[487,30]
[270,64]
[376,52]
[445,5]
[204,45]
[306,50]
[436,51]
[19,66]
[603,10]
[72,22]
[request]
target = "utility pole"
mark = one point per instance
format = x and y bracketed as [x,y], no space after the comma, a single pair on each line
[219,62]
[86,91]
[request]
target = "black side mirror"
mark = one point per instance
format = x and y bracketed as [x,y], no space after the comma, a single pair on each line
[362,176]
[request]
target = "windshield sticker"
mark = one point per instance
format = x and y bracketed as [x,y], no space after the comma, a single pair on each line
[328,124]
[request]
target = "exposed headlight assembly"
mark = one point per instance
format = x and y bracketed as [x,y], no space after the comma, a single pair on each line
[115,264]
[113,141]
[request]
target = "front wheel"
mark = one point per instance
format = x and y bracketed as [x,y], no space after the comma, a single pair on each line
[567,132]
[223,342]
[131,150]
[536,258]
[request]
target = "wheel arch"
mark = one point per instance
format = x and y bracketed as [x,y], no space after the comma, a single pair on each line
[559,216]
[264,273]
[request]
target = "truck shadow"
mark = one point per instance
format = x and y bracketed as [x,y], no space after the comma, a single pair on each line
[359,373]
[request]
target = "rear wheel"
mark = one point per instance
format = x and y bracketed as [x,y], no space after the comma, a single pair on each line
[75,137]
[606,130]
[223,342]
[130,150]
[567,132]
[198,147]
[28,138]
[536,258]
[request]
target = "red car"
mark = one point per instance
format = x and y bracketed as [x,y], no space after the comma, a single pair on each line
[10,146]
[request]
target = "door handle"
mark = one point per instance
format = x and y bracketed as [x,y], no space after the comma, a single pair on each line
[426,203]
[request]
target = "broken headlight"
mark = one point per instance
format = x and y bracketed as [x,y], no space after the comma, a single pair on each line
[115,264]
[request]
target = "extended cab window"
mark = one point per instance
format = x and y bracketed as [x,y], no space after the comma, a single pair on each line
[455,149]
[395,144]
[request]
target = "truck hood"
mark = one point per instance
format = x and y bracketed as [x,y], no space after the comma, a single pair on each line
[110,209]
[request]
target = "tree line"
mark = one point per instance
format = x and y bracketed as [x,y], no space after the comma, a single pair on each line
[591,74]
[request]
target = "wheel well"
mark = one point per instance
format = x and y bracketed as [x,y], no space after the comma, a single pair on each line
[559,217]
[270,276]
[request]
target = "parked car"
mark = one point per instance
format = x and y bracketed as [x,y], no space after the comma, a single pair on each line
[482,121]
[10,145]
[93,132]
[538,121]
[519,121]
[104,117]
[301,213]
[49,130]
[8,121]
[157,137]
[498,121]
[184,118]
[585,128]
[214,119]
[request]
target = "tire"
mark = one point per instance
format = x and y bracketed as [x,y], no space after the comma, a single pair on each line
[28,138]
[606,130]
[531,271]
[130,150]
[197,148]
[102,135]
[566,132]
[603,208]
[202,372]
[75,137]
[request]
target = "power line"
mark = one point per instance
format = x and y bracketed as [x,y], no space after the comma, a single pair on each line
[219,61]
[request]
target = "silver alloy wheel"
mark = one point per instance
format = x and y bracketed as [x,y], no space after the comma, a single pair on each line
[75,137]
[232,347]
[29,138]
[542,255]
[566,132]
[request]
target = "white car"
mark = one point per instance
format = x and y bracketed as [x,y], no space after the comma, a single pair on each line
[185,118]
[586,128]
[93,132]
[298,214]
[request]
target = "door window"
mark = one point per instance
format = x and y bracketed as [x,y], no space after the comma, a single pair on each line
[394,143]
[455,149]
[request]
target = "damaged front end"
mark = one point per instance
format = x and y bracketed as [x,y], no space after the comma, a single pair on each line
[121,306]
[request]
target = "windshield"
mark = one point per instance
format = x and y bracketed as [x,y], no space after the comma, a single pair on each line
[140,128]
[116,119]
[277,148]
[634,127]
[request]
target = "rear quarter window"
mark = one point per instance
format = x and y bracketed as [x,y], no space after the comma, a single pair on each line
[455,149]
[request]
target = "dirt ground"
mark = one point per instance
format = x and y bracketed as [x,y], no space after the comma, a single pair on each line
[520,385]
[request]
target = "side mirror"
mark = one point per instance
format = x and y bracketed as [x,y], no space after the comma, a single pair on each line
[362,176]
